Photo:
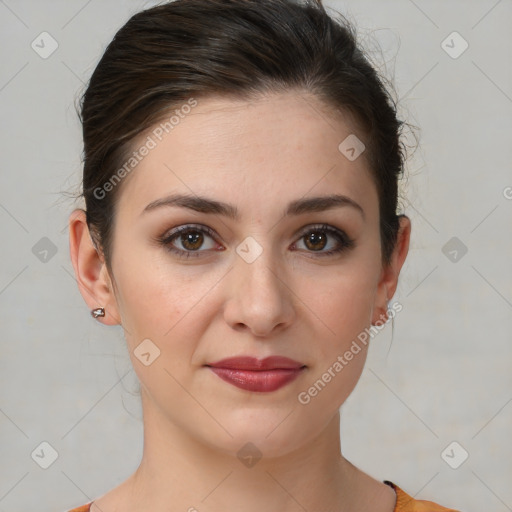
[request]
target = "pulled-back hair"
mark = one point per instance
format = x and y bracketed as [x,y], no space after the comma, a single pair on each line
[166,55]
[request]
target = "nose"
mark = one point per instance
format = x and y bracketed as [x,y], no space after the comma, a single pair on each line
[260,300]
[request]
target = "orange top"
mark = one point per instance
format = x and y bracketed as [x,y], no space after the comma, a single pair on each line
[404,503]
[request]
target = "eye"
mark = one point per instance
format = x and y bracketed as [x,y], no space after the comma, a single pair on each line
[190,240]
[322,236]
[187,240]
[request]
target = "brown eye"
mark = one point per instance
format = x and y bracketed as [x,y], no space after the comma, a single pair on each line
[315,241]
[323,236]
[192,240]
[189,240]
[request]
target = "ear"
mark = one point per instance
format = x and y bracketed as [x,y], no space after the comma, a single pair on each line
[91,273]
[389,276]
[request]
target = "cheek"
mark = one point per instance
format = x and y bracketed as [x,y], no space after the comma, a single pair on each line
[343,314]
[156,299]
[340,299]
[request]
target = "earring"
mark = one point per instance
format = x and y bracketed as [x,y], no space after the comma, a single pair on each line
[96,313]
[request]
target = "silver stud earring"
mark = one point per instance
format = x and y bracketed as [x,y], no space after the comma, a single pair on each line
[96,313]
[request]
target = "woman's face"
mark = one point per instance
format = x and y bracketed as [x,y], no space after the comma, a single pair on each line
[260,284]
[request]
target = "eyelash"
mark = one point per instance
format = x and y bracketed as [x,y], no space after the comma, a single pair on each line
[166,239]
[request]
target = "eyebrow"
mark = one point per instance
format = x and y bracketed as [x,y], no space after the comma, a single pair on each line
[297,207]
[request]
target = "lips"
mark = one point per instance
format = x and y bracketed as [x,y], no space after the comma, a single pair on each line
[261,375]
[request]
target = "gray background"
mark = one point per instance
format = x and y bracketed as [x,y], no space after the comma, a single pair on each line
[446,374]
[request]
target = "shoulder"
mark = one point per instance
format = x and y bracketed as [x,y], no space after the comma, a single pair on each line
[83,508]
[406,503]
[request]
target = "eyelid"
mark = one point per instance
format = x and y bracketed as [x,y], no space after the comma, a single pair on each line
[169,235]
[344,240]
[188,227]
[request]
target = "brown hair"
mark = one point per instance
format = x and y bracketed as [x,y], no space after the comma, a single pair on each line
[170,53]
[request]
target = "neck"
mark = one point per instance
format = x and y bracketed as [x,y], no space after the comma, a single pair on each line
[181,472]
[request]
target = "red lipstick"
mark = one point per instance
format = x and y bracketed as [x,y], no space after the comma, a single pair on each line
[253,374]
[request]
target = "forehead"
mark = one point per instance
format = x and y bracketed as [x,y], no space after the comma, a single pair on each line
[250,151]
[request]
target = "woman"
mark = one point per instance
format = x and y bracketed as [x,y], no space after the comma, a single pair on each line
[241,166]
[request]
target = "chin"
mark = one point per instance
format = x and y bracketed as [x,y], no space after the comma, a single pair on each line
[271,436]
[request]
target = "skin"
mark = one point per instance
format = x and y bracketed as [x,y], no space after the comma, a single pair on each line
[289,301]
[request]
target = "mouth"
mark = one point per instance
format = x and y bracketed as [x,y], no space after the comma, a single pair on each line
[251,374]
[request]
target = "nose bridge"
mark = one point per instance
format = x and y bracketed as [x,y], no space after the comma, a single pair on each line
[261,274]
[259,298]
